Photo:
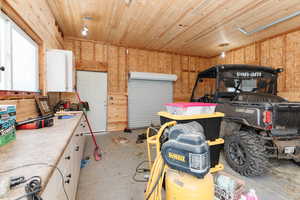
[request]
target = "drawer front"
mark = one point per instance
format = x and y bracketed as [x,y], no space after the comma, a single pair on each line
[83,127]
[69,164]
[54,188]
[78,149]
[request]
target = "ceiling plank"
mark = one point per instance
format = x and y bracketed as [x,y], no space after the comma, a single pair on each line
[186,27]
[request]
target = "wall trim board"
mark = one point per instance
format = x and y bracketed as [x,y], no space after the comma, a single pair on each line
[14,95]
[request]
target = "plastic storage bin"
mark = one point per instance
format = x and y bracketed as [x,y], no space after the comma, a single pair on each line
[210,122]
[215,148]
[190,108]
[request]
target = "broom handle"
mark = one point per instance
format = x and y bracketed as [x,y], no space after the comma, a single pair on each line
[88,123]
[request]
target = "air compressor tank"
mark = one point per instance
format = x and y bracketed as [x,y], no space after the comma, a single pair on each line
[183,186]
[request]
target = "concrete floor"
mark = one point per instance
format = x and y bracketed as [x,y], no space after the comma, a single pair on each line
[111,178]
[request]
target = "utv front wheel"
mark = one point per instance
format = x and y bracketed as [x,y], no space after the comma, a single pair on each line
[245,153]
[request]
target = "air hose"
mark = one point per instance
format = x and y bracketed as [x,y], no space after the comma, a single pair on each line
[154,186]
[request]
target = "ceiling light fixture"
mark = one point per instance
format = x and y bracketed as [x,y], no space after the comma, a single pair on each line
[128,2]
[85,31]
[223,54]
[223,44]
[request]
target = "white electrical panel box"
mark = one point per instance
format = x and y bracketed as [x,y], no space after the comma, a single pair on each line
[60,71]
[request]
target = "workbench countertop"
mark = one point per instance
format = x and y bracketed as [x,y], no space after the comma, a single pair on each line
[44,145]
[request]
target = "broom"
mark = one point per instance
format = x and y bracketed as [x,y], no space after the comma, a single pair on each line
[97,151]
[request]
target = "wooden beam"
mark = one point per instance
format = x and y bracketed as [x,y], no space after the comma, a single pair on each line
[9,11]
[91,66]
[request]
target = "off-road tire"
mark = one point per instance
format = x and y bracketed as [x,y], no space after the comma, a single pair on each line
[254,157]
[228,128]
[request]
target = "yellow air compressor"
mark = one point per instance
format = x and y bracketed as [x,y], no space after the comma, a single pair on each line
[182,164]
[181,185]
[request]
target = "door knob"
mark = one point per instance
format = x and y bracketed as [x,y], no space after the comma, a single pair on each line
[77,148]
[2,68]
[68,157]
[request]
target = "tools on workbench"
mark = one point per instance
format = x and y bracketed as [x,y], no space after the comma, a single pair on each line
[36,123]
[45,120]
[66,105]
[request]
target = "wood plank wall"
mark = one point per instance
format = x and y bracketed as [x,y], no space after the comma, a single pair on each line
[34,16]
[118,61]
[39,17]
[282,51]
[26,108]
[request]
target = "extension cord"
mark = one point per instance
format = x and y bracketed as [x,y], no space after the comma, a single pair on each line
[4,187]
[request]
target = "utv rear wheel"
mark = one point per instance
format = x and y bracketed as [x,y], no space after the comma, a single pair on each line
[245,153]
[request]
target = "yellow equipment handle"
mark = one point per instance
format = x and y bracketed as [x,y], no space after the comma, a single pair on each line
[155,140]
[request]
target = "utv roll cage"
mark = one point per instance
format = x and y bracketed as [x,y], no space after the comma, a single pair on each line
[215,71]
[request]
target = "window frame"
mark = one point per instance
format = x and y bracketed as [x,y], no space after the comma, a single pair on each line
[15,27]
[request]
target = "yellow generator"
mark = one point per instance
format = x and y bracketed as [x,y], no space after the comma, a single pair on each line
[182,164]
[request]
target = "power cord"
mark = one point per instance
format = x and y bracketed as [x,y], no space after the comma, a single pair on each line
[139,170]
[16,181]
[155,184]
[34,187]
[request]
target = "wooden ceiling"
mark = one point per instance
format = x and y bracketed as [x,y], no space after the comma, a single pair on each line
[191,27]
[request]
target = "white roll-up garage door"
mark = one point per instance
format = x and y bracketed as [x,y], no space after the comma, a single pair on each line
[147,94]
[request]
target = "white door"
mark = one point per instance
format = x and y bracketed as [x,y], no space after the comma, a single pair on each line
[92,87]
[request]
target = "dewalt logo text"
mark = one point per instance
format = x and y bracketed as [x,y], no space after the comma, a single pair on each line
[176,157]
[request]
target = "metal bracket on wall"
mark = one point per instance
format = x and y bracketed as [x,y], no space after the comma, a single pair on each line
[242,30]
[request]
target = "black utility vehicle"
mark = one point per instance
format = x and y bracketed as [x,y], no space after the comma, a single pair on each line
[258,124]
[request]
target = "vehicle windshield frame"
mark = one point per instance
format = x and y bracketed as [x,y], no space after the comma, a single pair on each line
[265,82]
[217,71]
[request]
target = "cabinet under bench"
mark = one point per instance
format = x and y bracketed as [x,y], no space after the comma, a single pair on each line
[53,153]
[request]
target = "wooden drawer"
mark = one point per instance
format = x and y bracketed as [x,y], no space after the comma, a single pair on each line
[69,164]
[54,188]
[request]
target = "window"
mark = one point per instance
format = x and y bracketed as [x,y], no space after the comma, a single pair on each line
[18,58]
